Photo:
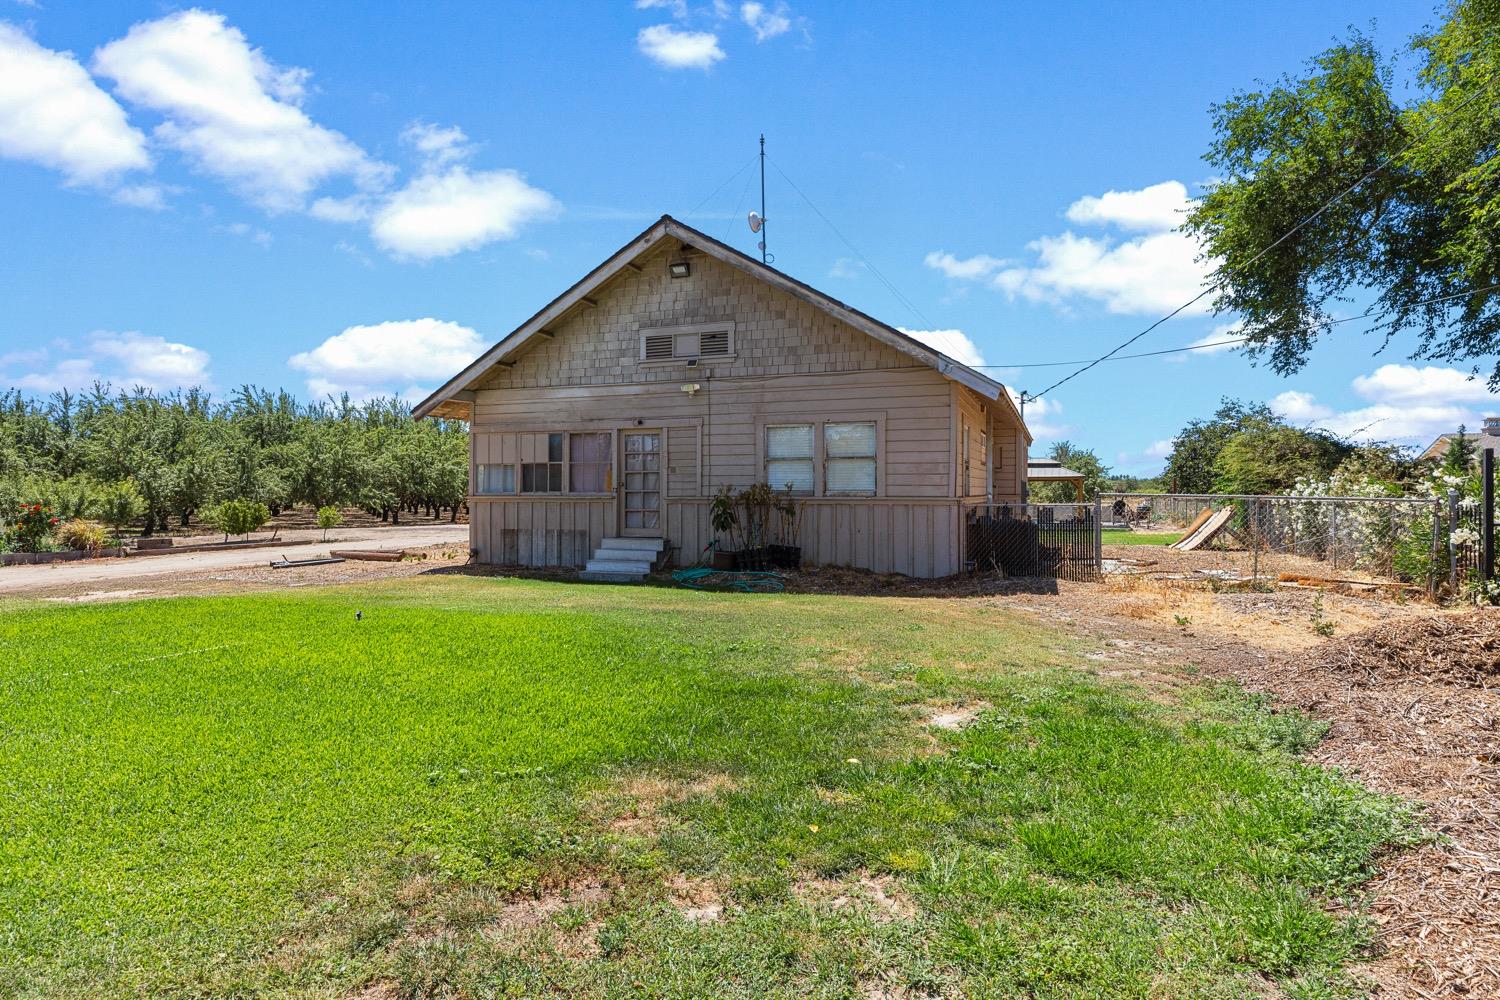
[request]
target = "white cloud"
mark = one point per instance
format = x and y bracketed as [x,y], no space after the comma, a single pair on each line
[355,208]
[1153,209]
[676,49]
[367,361]
[254,234]
[124,359]
[1153,272]
[1159,449]
[954,343]
[966,269]
[846,267]
[1042,417]
[152,196]
[1408,405]
[1409,384]
[438,146]
[437,215]
[231,111]
[1213,342]
[53,114]
[766,23]
[678,8]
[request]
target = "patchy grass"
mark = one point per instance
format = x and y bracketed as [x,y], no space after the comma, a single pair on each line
[494,787]
[1124,536]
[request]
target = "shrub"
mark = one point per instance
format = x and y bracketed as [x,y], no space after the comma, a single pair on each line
[31,527]
[83,535]
[238,517]
[120,503]
[329,517]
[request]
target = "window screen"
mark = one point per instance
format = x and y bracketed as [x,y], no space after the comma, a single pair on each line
[789,457]
[849,457]
[588,463]
[496,480]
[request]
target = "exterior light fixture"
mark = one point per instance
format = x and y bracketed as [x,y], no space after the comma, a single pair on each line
[679,268]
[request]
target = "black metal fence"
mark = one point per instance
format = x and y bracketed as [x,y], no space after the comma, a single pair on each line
[1052,541]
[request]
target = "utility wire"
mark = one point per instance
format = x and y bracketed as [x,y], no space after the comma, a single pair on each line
[1437,121]
[727,181]
[852,248]
[1237,340]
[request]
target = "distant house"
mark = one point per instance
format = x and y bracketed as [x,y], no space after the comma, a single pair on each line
[605,423]
[1489,436]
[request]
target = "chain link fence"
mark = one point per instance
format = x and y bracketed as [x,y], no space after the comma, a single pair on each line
[1363,540]
[1048,540]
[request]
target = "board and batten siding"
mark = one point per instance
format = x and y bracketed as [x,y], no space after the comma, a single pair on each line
[790,363]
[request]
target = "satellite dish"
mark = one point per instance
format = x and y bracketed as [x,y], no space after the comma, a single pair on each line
[756,222]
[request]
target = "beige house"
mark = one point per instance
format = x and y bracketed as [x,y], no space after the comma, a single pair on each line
[601,428]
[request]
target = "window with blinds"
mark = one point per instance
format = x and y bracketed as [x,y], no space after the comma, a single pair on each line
[790,457]
[849,457]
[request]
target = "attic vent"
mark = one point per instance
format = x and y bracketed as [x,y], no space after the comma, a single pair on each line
[657,347]
[687,344]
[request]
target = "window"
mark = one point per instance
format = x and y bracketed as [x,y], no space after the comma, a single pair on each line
[545,477]
[588,463]
[849,457]
[789,457]
[496,480]
[689,344]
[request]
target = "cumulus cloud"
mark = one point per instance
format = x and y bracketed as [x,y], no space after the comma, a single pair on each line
[1151,209]
[387,358]
[954,343]
[437,215]
[1154,271]
[1406,404]
[765,22]
[53,114]
[231,111]
[674,48]
[1043,417]
[122,359]
[438,146]
[1218,340]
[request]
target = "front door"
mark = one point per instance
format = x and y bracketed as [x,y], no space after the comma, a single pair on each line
[640,483]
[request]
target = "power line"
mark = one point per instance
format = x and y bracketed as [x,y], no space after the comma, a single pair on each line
[727,181]
[852,248]
[1237,340]
[1437,121]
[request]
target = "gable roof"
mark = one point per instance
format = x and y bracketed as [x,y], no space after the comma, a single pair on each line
[457,388]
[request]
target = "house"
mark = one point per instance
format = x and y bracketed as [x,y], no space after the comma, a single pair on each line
[1489,438]
[601,428]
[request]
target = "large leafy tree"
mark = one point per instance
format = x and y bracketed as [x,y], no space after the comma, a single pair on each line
[1191,467]
[1422,222]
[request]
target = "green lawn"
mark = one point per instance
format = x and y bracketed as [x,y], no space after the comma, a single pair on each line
[504,788]
[1123,536]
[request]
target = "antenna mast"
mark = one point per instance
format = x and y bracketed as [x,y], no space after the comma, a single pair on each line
[765,258]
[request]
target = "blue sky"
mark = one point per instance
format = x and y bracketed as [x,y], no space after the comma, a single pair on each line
[361,197]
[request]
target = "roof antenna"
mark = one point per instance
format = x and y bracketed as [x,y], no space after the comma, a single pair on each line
[758,219]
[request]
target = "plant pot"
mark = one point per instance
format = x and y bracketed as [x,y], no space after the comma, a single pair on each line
[786,556]
[723,560]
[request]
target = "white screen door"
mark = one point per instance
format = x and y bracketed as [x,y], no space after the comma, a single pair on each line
[640,484]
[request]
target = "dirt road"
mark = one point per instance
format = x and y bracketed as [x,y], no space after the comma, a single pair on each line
[24,579]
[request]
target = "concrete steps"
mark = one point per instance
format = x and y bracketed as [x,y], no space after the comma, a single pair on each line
[623,560]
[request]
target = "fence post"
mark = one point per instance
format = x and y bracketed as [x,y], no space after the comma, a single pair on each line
[1098,534]
[1333,534]
[1254,541]
[1487,529]
[1452,549]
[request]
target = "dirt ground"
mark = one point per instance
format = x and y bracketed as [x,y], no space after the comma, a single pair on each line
[1430,737]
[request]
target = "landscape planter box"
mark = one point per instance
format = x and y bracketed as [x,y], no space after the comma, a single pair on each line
[752,560]
[34,558]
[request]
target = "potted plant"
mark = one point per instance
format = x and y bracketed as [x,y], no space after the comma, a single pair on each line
[757,502]
[786,553]
[723,515]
